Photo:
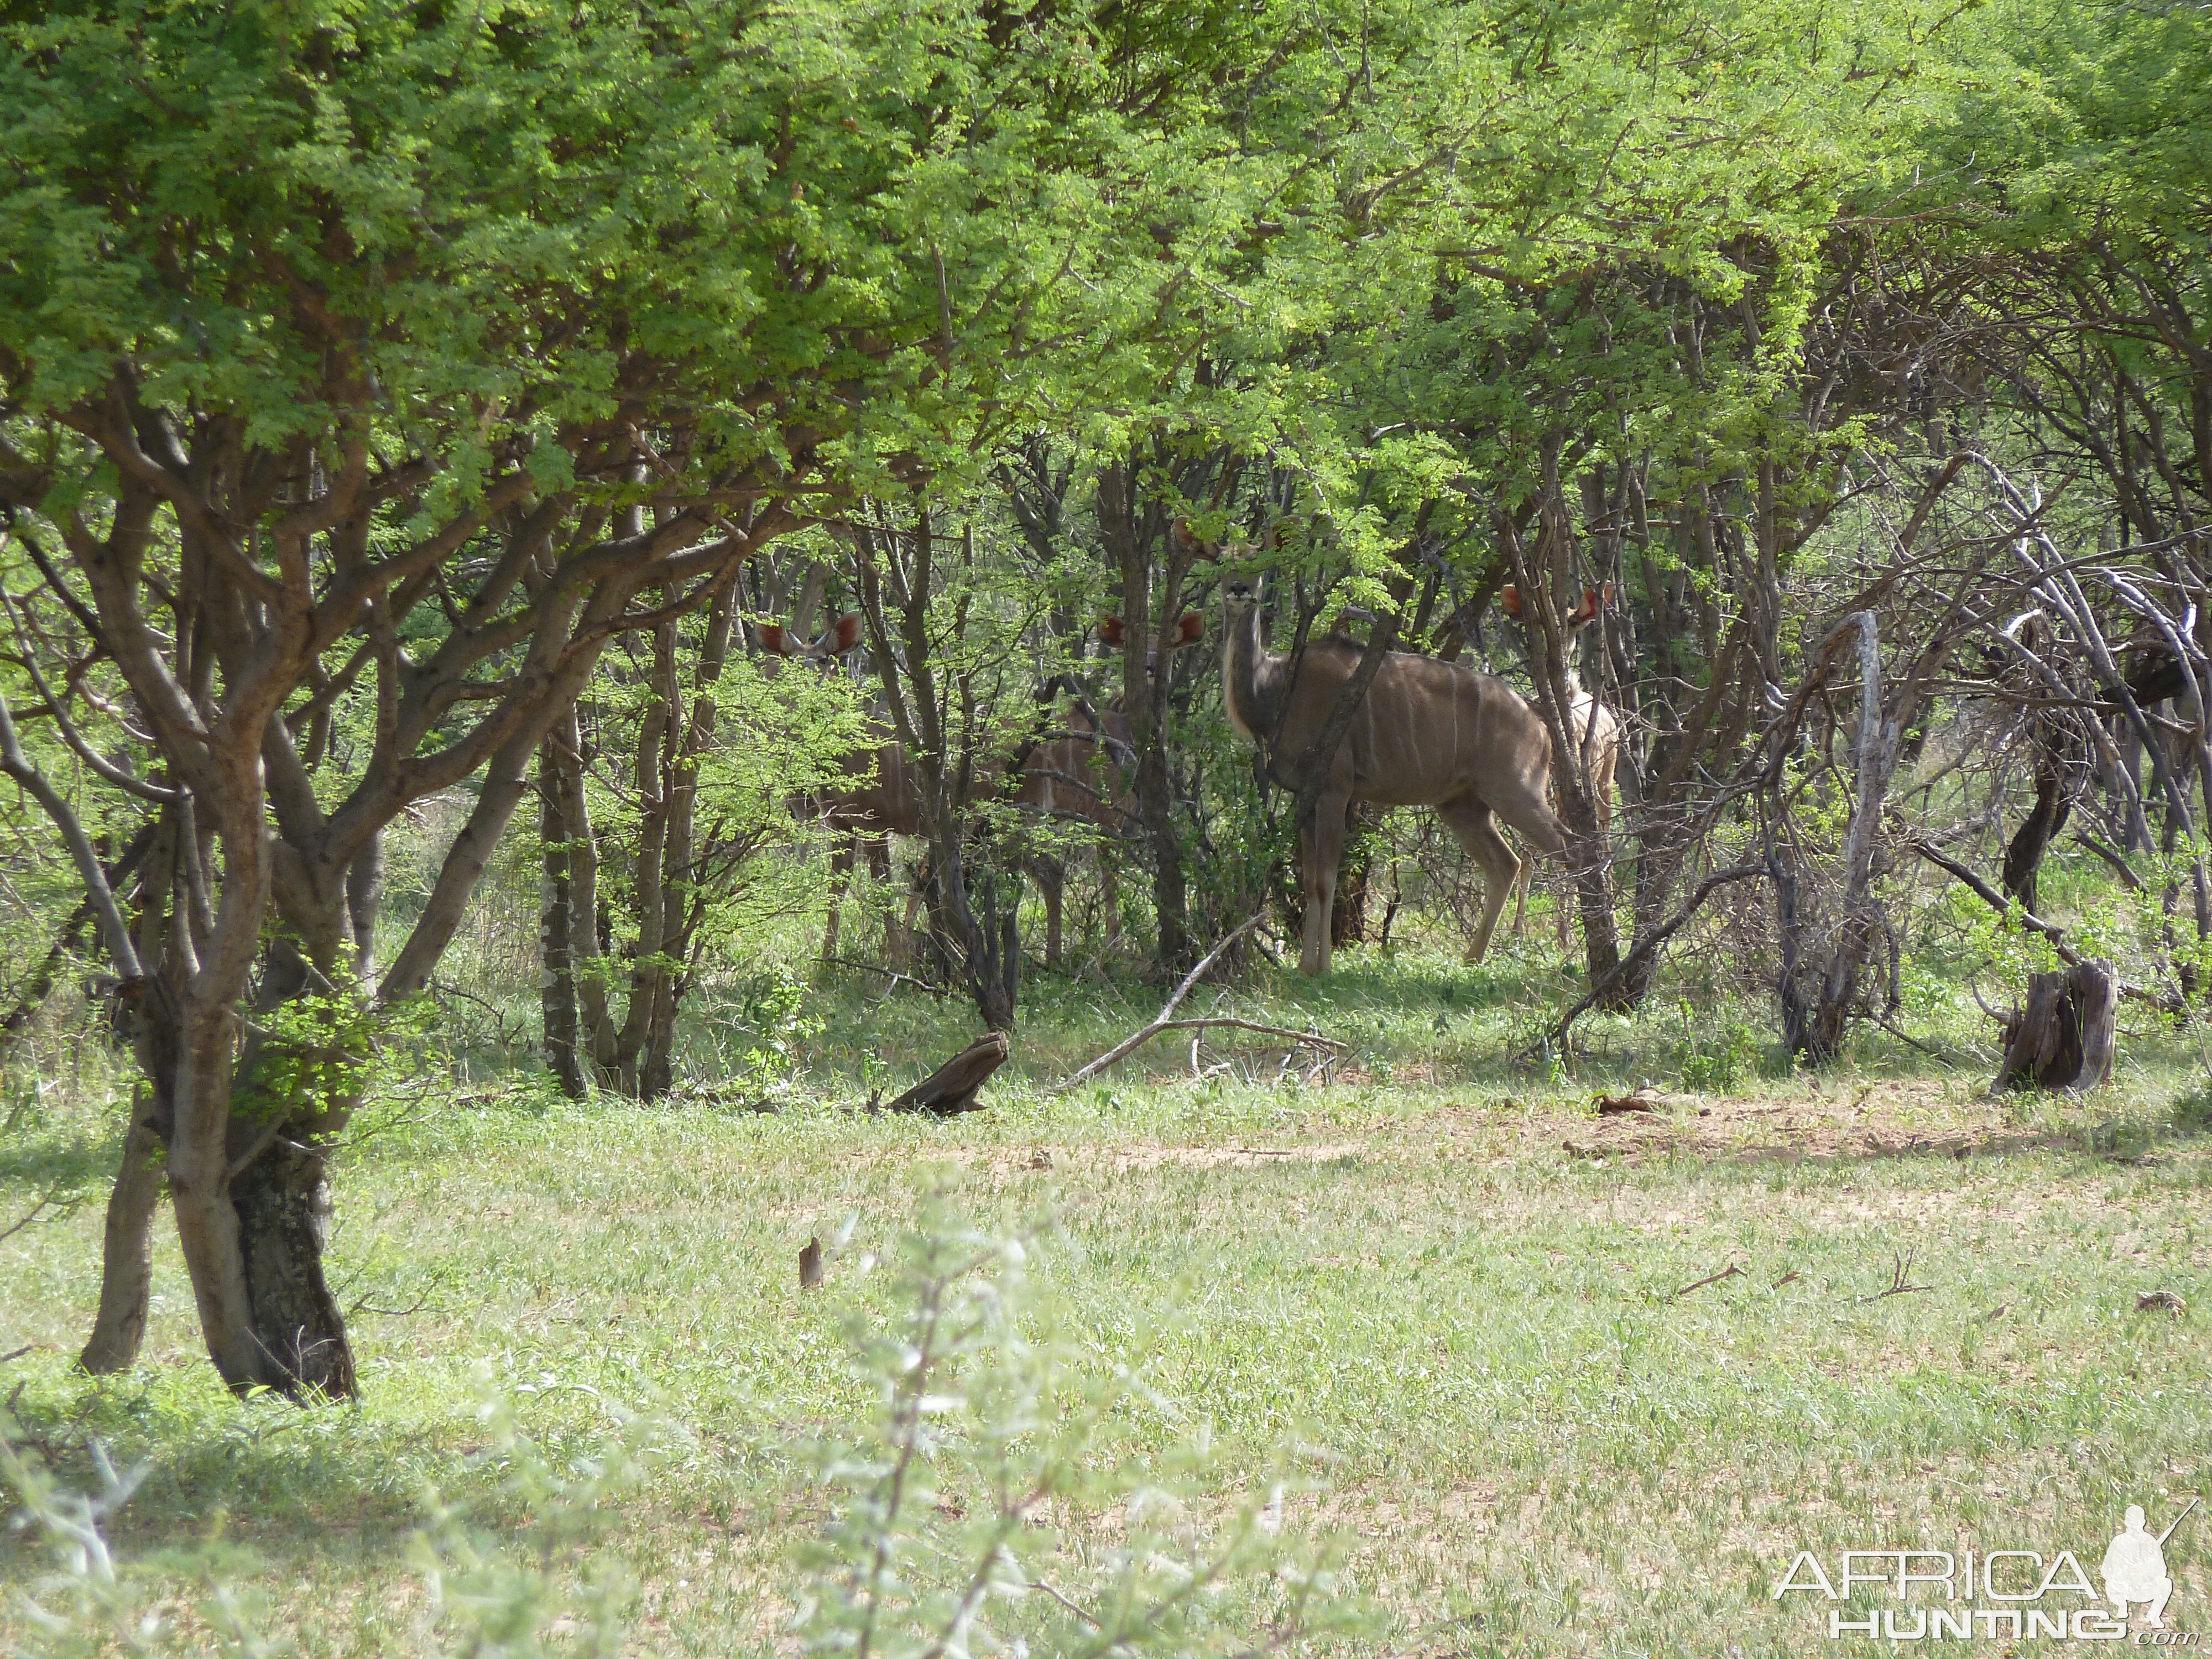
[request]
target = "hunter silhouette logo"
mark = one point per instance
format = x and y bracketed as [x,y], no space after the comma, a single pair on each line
[2135,1568]
[2010,1594]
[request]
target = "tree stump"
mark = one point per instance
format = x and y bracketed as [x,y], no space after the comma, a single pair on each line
[2063,1038]
[952,1087]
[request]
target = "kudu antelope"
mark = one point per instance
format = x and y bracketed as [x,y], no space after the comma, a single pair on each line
[1087,772]
[1593,728]
[1428,733]
[881,794]
[1083,773]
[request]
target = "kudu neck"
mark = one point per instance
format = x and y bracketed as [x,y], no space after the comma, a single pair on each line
[1250,675]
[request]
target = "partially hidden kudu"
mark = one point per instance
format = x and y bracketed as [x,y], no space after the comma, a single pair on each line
[1594,729]
[1088,771]
[1080,772]
[1427,733]
[881,795]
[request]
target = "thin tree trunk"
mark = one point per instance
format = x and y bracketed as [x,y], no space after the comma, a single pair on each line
[126,1243]
[680,785]
[126,1277]
[1119,515]
[1876,758]
[649,869]
[557,982]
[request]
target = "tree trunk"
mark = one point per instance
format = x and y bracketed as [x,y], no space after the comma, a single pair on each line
[282,1201]
[1118,514]
[557,925]
[199,1191]
[649,866]
[979,946]
[1347,918]
[149,1003]
[2023,859]
[126,1277]
[596,1037]
[952,1087]
[1860,920]
[2065,1037]
[1592,860]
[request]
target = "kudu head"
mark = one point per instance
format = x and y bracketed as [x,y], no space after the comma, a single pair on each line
[841,637]
[1594,600]
[1190,629]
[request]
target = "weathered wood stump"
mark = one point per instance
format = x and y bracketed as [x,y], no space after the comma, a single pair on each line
[952,1087]
[2064,1037]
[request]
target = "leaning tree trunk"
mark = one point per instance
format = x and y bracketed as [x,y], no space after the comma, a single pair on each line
[126,1278]
[2065,1037]
[1860,920]
[2023,859]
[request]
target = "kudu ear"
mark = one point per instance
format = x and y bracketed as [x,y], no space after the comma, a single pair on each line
[1595,599]
[1510,597]
[844,634]
[1109,632]
[775,639]
[1191,629]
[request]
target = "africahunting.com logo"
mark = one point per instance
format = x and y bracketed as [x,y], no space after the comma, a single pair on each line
[2016,1595]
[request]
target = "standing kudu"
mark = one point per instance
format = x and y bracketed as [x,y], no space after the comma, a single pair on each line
[881,794]
[1427,733]
[1087,771]
[1594,729]
[1081,773]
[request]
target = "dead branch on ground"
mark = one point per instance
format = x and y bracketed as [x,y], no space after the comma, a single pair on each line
[1166,1021]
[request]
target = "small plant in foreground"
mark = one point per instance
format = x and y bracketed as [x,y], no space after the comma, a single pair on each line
[548,1590]
[986,1507]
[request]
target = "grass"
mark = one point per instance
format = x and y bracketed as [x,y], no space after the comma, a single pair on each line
[1437,1286]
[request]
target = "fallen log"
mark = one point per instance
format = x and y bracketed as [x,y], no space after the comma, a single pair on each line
[2063,1038]
[950,1089]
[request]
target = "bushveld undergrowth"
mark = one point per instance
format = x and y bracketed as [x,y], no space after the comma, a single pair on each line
[1391,1355]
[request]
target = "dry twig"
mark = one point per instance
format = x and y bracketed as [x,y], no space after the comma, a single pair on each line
[1729,1271]
[1901,1272]
[1166,1021]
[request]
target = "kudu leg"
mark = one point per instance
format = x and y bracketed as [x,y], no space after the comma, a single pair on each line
[1052,882]
[1321,848]
[1470,823]
[841,876]
[1566,934]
